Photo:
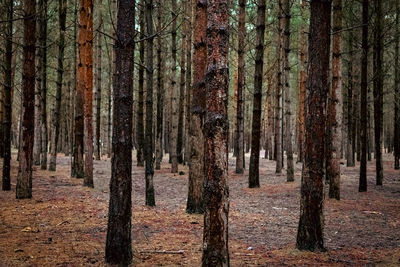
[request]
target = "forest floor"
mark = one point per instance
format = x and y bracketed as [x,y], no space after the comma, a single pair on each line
[65,224]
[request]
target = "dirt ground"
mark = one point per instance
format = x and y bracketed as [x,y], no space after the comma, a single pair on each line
[65,224]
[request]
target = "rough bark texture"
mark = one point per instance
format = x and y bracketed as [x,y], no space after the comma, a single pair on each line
[174,96]
[254,180]
[148,146]
[140,119]
[334,120]
[62,13]
[397,91]
[240,87]
[362,187]
[85,82]
[378,89]
[43,80]
[73,95]
[216,192]
[278,93]
[8,84]
[302,85]
[119,242]
[160,89]
[286,87]
[311,223]
[97,142]
[24,178]
[198,109]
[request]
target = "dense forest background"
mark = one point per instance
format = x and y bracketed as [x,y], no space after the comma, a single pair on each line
[292,93]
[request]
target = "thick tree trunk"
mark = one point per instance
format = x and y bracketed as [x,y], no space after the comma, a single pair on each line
[24,178]
[362,187]
[310,231]
[254,179]
[160,89]
[397,91]
[43,80]
[198,109]
[62,12]
[148,146]
[286,87]
[8,85]
[240,87]
[378,88]
[85,82]
[97,142]
[216,192]
[334,120]
[140,119]
[174,93]
[119,241]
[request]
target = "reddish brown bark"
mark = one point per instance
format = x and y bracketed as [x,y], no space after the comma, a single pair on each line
[215,236]
[85,82]
[119,241]
[334,120]
[24,178]
[198,109]
[310,231]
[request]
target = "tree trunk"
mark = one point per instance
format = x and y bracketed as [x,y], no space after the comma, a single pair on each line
[254,180]
[148,146]
[350,120]
[119,241]
[189,17]
[8,85]
[334,120]
[43,81]
[378,89]
[362,187]
[24,178]
[302,84]
[286,86]
[179,143]
[85,82]
[278,92]
[78,171]
[397,91]
[62,12]
[140,119]
[97,142]
[174,100]
[160,89]
[240,86]
[198,109]
[310,231]
[216,201]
